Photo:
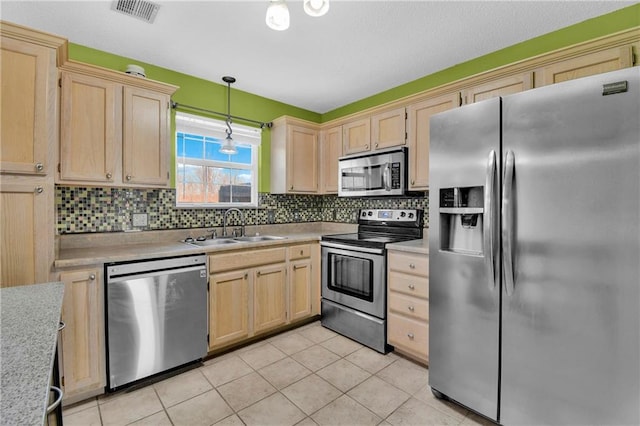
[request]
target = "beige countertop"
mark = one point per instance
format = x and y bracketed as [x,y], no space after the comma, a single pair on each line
[414,246]
[91,249]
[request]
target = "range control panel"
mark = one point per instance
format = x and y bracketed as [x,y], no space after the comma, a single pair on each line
[404,215]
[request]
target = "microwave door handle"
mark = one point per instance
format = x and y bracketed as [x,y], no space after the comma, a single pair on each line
[386,177]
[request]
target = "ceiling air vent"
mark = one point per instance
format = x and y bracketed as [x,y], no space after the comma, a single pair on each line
[140,9]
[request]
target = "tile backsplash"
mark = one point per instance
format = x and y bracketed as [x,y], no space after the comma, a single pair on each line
[83,209]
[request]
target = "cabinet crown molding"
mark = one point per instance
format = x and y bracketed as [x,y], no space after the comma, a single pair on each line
[118,77]
[19,32]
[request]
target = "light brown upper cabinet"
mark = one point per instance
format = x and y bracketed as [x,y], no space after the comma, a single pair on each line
[294,157]
[418,116]
[356,136]
[331,150]
[388,128]
[29,95]
[114,128]
[90,129]
[499,87]
[588,64]
[26,231]
[145,144]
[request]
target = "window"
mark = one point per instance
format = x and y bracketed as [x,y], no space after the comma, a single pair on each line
[207,178]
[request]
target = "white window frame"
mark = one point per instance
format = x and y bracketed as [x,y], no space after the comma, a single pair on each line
[244,136]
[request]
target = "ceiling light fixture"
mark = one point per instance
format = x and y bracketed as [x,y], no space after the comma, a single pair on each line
[277,15]
[229,146]
[316,7]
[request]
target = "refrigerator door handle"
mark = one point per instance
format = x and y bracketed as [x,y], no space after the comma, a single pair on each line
[489,219]
[507,222]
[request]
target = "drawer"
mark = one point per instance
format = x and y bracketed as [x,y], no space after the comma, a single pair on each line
[410,306]
[299,251]
[409,335]
[409,263]
[412,285]
[245,259]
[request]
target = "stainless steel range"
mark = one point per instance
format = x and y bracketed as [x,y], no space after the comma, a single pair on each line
[354,274]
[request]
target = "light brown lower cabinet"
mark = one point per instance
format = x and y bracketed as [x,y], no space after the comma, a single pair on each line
[82,339]
[408,304]
[228,306]
[256,291]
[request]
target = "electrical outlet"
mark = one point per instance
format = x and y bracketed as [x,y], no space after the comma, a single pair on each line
[271,216]
[140,219]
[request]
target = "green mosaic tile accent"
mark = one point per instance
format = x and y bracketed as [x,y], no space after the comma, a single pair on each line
[83,209]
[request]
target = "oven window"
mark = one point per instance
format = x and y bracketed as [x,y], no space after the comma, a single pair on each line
[351,275]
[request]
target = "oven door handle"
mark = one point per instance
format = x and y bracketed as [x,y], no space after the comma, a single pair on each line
[351,248]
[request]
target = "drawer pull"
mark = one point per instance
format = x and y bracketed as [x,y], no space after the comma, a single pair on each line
[412,266]
[412,287]
[39,167]
[411,308]
[92,277]
[109,175]
[410,336]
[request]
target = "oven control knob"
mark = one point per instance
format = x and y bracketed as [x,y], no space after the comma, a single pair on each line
[370,213]
[403,214]
[364,214]
[410,215]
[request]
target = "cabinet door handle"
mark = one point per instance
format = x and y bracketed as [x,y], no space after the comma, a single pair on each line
[39,167]
[58,400]
[410,336]
[412,266]
[301,252]
[376,145]
[258,273]
[92,277]
[413,182]
[246,276]
[61,325]
[411,308]
[412,287]
[128,177]
[291,189]
[39,190]
[296,267]
[109,175]
[366,146]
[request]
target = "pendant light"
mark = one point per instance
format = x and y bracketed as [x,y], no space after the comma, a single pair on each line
[277,15]
[316,7]
[229,146]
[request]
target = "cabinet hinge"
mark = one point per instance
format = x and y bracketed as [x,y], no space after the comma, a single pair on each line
[406,115]
[207,339]
[62,380]
[168,176]
[208,286]
[634,58]
[59,82]
[58,167]
[405,136]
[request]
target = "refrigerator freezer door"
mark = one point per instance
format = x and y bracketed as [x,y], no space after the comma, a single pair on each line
[463,307]
[571,323]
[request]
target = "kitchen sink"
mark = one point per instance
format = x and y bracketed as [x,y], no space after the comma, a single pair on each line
[213,242]
[257,238]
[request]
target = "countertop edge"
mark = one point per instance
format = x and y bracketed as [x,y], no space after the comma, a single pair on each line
[69,258]
[420,246]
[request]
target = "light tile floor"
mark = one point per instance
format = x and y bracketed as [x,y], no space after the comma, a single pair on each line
[306,376]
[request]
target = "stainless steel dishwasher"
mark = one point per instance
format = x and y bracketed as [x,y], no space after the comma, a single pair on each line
[156,316]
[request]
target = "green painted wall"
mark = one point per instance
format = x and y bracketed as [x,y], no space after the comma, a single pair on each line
[212,95]
[207,95]
[619,20]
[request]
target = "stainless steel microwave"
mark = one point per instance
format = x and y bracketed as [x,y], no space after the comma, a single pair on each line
[373,174]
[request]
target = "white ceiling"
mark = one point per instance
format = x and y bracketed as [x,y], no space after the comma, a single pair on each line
[358,49]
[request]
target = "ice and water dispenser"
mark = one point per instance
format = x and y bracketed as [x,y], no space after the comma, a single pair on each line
[461,219]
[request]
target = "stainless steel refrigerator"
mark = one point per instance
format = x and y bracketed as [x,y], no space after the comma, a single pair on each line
[534,250]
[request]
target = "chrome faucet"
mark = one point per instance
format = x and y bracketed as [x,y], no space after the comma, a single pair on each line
[224,222]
